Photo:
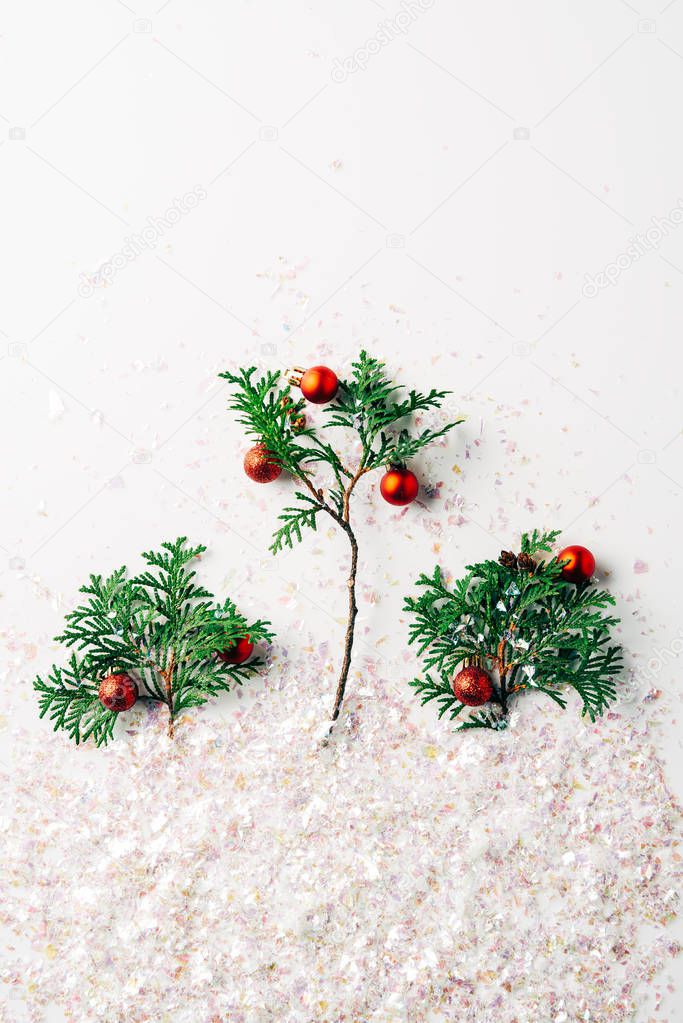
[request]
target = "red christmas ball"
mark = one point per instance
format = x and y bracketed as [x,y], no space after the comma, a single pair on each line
[580,564]
[260,465]
[399,486]
[238,652]
[319,384]
[472,686]
[118,692]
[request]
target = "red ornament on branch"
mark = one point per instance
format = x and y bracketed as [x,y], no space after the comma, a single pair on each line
[238,652]
[579,564]
[118,692]
[367,405]
[319,384]
[260,465]
[473,686]
[399,486]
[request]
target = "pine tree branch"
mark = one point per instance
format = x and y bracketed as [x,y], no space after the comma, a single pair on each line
[483,719]
[397,450]
[263,409]
[439,690]
[162,627]
[527,627]
[367,404]
[70,700]
[294,519]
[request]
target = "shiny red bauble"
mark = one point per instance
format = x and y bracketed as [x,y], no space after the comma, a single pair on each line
[260,465]
[319,384]
[472,686]
[118,692]
[238,652]
[580,564]
[399,486]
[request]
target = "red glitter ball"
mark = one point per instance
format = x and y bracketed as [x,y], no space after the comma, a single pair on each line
[118,692]
[238,652]
[260,465]
[472,686]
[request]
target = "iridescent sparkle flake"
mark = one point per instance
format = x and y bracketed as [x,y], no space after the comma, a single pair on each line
[250,873]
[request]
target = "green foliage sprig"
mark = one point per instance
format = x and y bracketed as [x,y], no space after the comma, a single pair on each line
[366,403]
[162,628]
[526,626]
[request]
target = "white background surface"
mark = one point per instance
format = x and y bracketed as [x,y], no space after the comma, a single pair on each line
[441,207]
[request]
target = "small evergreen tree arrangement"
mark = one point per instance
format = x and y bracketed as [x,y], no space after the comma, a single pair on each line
[512,625]
[365,403]
[158,636]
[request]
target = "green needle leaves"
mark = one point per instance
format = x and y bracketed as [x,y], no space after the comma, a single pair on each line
[525,625]
[367,404]
[162,628]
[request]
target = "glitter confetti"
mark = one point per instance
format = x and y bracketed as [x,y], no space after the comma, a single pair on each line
[249,872]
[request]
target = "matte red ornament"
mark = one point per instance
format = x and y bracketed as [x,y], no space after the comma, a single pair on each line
[118,692]
[319,384]
[238,652]
[260,465]
[580,564]
[472,686]
[399,486]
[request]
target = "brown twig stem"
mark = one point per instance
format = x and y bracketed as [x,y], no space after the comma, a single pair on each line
[167,676]
[344,521]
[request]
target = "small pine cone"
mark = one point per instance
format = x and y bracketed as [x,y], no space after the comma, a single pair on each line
[508,559]
[287,403]
[298,423]
[525,563]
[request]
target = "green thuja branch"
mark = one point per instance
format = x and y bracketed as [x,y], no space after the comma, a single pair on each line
[161,629]
[293,520]
[366,403]
[522,623]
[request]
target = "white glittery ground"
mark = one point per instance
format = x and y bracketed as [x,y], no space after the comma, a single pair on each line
[247,874]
